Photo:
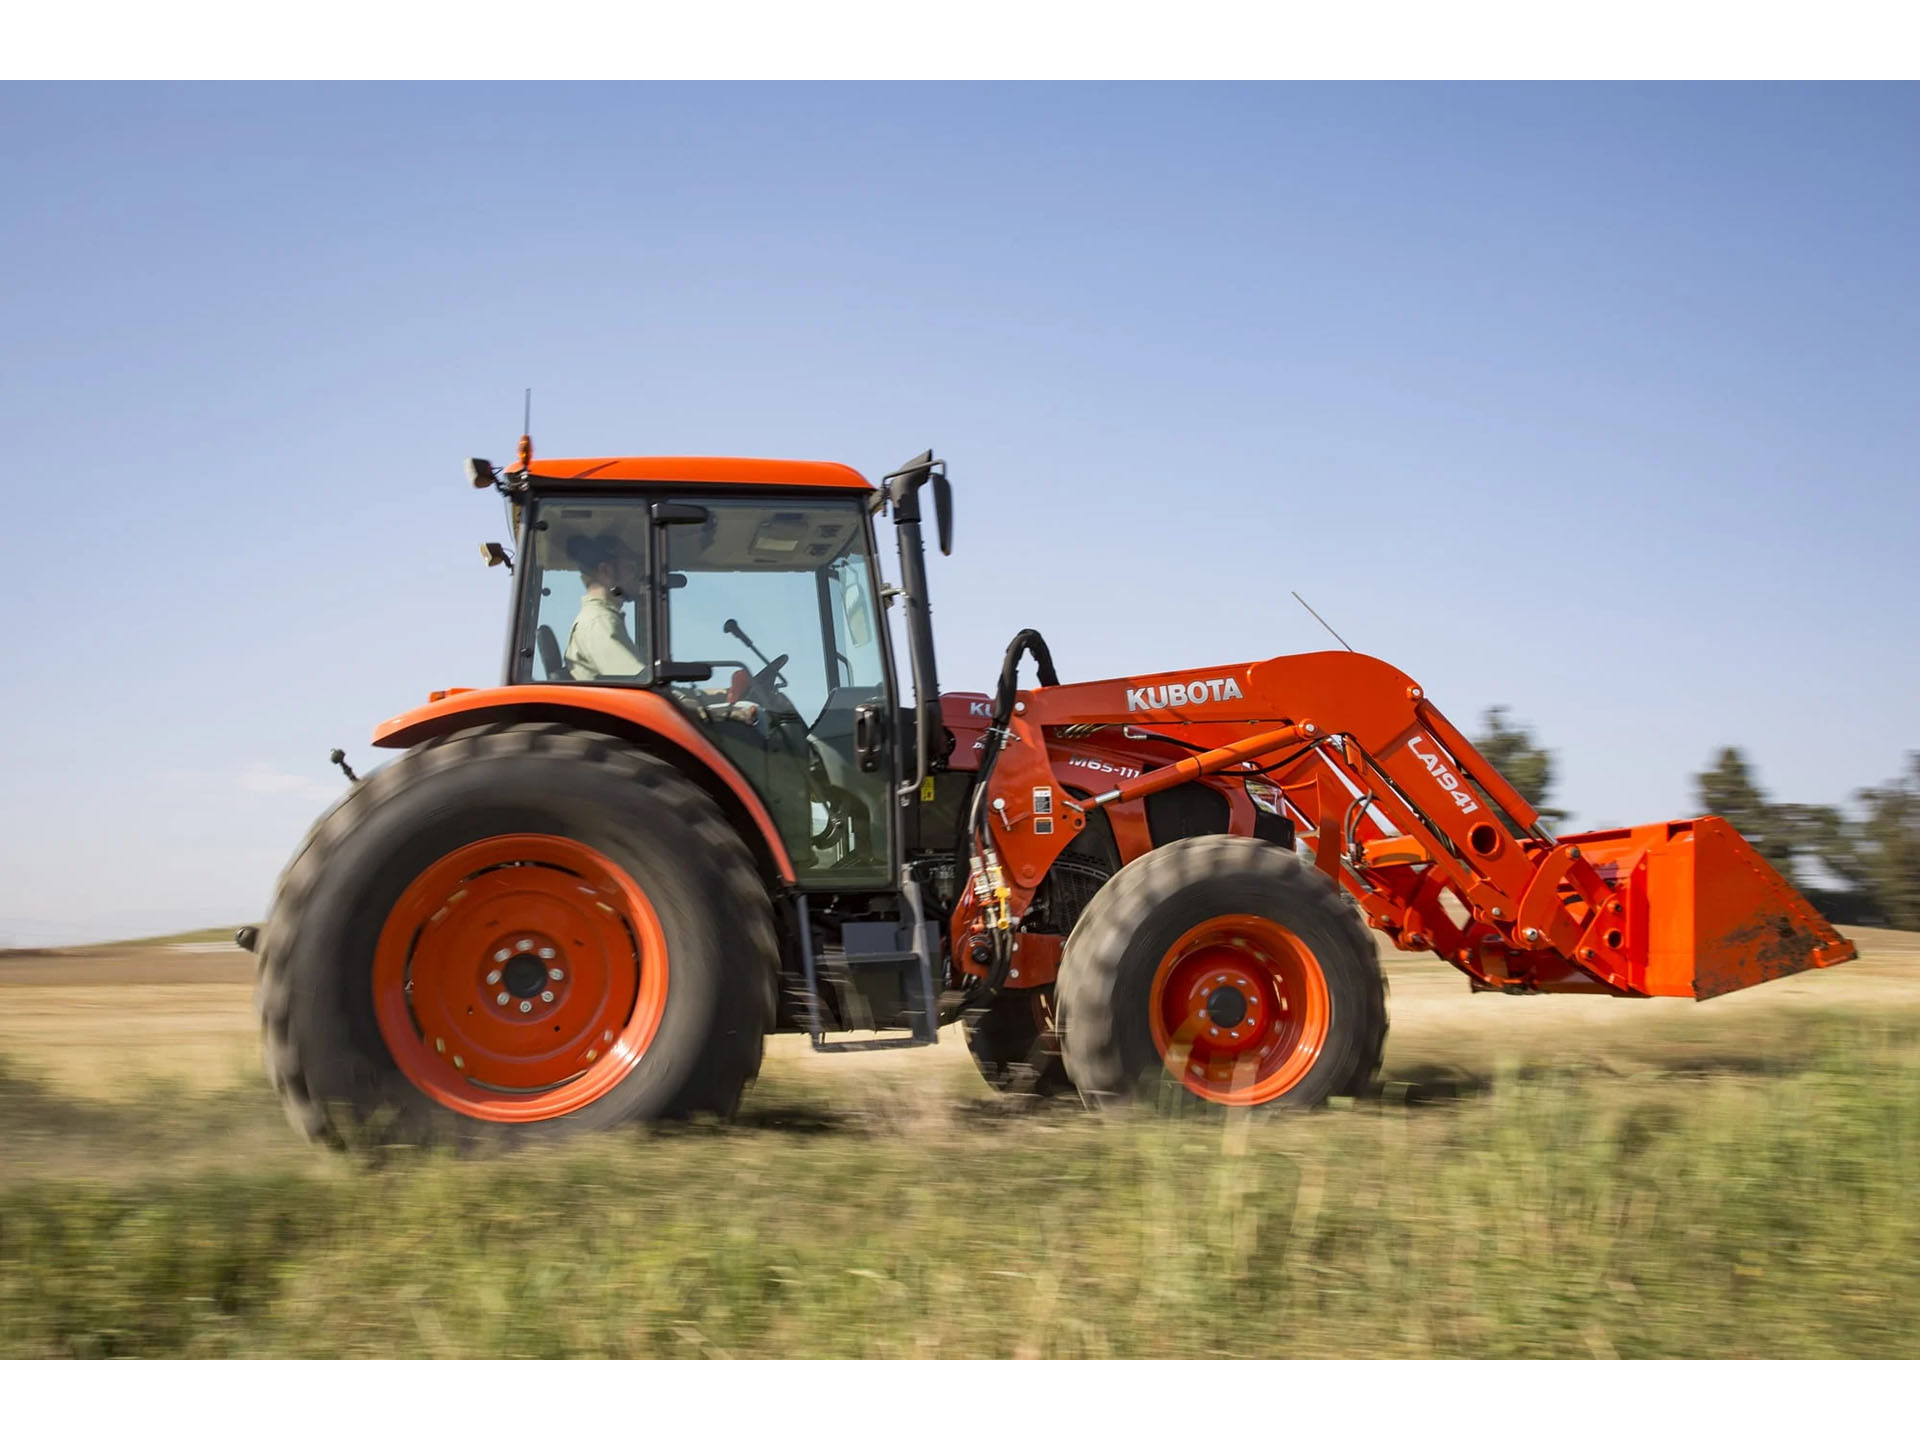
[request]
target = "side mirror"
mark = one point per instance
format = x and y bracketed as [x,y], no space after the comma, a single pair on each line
[943,511]
[904,484]
[481,473]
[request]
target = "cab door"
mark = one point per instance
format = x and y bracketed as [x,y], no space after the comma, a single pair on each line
[771,638]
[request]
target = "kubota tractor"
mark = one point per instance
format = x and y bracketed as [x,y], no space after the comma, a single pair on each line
[698,808]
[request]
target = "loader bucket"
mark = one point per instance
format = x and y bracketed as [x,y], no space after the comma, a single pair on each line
[1712,915]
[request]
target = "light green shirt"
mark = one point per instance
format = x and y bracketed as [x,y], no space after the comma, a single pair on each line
[599,644]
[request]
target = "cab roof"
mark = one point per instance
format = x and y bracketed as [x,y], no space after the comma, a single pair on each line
[704,470]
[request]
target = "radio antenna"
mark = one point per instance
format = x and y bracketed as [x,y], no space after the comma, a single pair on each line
[1316,615]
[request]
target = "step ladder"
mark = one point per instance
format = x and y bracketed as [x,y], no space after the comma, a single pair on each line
[884,968]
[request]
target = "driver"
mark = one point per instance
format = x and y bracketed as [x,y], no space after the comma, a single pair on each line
[599,643]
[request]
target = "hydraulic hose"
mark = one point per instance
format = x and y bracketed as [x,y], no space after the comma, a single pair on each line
[1027,642]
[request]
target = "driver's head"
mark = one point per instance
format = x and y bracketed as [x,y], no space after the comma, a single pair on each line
[606,561]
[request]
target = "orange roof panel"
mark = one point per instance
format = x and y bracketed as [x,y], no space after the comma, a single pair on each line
[705,470]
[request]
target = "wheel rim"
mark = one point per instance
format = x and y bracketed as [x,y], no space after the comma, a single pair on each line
[520,978]
[1239,1010]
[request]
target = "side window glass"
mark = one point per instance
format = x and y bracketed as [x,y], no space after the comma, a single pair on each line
[588,595]
[858,659]
[776,597]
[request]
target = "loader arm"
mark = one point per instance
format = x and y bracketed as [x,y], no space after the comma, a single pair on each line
[1438,849]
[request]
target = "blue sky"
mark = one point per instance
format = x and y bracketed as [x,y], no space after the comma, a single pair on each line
[1597,402]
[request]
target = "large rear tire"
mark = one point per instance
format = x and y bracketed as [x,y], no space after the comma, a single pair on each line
[515,931]
[1221,967]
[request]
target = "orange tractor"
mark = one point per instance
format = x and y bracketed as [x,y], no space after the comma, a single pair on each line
[699,808]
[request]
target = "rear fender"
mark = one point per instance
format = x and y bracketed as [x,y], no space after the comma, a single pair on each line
[642,716]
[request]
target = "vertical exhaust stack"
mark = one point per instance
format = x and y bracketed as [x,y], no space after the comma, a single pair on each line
[903,492]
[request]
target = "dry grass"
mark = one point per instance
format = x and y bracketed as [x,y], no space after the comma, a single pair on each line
[1592,1177]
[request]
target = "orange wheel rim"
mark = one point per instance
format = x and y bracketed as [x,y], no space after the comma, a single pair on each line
[1239,1010]
[520,978]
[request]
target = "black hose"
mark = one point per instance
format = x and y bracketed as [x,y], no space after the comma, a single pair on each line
[1025,643]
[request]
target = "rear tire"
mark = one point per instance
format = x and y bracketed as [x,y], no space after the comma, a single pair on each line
[376,961]
[1221,967]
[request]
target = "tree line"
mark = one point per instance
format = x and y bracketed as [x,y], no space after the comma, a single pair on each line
[1857,867]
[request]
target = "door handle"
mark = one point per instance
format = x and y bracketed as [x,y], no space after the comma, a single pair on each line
[867,739]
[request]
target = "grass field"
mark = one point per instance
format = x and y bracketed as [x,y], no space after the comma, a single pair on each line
[1552,1176]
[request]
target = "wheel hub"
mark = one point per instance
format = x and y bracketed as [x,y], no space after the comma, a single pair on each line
[1232,1003]
[525,975]
[520,977]
[1238,1009]
[1227,1006]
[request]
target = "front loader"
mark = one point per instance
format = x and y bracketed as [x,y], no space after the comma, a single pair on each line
[700,807]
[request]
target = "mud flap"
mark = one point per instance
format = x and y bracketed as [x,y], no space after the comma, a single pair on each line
[1712,916]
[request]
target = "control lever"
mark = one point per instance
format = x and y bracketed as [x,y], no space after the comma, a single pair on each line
[732,627]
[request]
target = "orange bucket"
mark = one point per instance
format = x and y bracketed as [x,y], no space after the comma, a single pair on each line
[1706,914]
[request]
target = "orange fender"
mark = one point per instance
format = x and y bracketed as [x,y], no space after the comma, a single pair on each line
[584,704]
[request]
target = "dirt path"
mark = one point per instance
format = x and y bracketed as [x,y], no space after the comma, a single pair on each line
[94,1022]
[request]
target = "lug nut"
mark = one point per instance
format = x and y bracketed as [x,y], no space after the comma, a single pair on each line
[501,998]
[524,945]
[526,1006]
[503,956]
[546,952]
[493,977]
[556,975]
[546,997]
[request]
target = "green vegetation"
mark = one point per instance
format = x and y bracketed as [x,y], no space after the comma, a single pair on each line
[1512,750]
[1875,855]
[1740,1209]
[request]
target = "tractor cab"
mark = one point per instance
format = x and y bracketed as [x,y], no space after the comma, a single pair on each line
[754,607]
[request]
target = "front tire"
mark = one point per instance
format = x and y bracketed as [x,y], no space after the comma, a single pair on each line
[522,930]
[1224,965]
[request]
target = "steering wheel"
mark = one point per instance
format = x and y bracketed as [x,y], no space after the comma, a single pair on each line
[770,675]
[764,689]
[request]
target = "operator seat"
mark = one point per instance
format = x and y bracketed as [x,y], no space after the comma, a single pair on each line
[550,657]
